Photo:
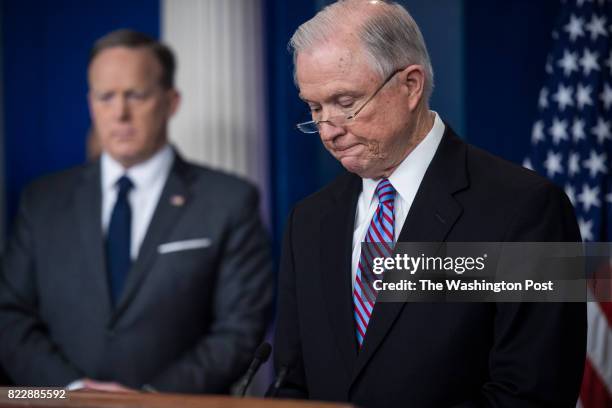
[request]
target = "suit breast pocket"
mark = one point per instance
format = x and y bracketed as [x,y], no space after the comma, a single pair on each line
[187,265]
[184,245]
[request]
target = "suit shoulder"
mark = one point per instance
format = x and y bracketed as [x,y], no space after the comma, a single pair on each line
[328,191]
[51,194]
[56,184]
[535,208]
[343,183]
[214,181]
[503,187]
[497,174]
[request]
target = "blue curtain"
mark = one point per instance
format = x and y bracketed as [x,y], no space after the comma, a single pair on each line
[46,46]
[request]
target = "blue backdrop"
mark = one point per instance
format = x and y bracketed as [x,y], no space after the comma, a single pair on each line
[505,54]
[46,45]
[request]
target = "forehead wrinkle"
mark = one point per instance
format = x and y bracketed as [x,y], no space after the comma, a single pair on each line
[323,82]
[347,48]
[333,68]
[328,60]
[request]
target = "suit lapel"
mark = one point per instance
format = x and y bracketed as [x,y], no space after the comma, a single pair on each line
[168,210]
[336,249]
[432,215]
[87,202]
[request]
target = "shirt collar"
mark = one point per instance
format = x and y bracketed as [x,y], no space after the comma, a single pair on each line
[142,174]
[407,177]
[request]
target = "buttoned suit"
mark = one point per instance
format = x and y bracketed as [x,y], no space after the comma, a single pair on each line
[429,354]
[190,314]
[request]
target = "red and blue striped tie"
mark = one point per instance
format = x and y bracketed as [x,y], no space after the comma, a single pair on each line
[381,232]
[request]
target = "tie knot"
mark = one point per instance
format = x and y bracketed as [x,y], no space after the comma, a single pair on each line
[385,191]
[125,185]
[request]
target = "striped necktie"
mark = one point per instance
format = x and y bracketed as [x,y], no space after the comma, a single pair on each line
[381,231]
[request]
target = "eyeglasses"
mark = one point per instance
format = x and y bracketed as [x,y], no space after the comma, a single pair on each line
[313,126]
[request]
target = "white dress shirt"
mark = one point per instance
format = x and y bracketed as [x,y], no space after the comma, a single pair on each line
[406,179]
[149,178]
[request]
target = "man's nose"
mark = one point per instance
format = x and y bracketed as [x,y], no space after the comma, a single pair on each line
[329,131]
[121,109]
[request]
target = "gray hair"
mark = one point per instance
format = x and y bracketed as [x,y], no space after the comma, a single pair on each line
[391,38]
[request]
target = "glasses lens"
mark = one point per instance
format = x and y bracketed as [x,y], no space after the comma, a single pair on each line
[308,127]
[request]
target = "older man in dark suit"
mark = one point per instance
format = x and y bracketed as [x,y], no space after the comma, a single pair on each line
[140,269]
[363,69]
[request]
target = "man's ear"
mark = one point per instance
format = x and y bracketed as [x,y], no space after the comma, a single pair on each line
[413,83]
[174,100]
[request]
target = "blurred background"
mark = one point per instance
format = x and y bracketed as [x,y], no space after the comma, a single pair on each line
[239,102]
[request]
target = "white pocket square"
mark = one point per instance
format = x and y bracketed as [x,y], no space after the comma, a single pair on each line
[184,245]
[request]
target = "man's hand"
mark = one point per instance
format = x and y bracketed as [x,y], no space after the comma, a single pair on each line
[92,385]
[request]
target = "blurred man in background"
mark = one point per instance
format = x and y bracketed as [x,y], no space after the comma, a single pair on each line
[139,269]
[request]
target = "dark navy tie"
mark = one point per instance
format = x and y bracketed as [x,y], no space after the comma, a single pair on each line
[118,239]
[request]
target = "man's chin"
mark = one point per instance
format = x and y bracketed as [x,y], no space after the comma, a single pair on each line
[355,166]
[126,158]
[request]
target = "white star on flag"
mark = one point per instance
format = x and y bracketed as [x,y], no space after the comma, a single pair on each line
[609,198]
[569,62]
[558,130]
[596,163]
[586,229]
[537,133]
[573,164]
[606,96]
[602,130]
[589,197]
[578,130]
[589,61]
[597,27]
[583,95]
[543,98]
[574,27]
[552,164]
[563,97]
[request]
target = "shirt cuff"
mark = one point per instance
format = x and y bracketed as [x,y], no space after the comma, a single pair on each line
[75,385]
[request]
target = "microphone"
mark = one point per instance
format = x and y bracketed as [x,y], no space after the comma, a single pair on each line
[261,356]
[280,381]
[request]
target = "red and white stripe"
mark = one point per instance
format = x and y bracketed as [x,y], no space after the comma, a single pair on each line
[596,390]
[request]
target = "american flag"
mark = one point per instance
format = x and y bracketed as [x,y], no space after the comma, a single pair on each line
[572,145]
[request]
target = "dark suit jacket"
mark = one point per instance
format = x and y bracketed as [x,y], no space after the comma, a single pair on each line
[186,321]
[429,354]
